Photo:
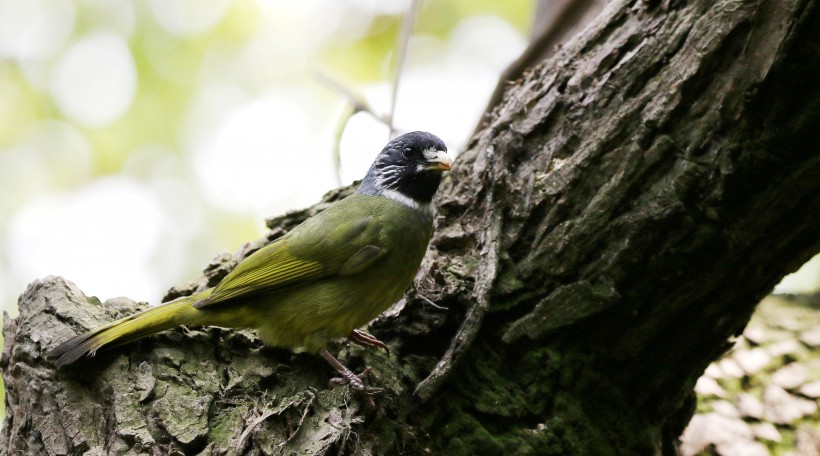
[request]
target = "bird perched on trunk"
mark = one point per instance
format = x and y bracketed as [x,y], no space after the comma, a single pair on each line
[328,276]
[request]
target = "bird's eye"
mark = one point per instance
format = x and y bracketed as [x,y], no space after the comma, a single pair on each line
[405,154]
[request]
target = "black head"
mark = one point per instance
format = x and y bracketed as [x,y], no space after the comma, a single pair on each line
[410,165]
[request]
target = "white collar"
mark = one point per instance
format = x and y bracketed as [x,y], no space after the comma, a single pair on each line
[405,200]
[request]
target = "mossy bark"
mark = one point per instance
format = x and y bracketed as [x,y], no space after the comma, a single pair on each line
[603,236]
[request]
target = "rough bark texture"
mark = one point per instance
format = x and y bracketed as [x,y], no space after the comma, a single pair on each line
[554,22]
[613,225]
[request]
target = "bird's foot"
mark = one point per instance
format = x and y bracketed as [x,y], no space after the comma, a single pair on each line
[366,340]
[356,381]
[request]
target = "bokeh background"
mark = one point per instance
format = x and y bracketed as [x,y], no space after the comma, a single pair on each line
[139,138]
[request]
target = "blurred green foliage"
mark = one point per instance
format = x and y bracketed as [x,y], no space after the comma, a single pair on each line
[169,74]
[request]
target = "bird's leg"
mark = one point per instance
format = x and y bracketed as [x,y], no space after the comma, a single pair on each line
[348,377]
[364,339]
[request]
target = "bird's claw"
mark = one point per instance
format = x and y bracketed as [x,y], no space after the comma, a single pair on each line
[356,382]
[366,340]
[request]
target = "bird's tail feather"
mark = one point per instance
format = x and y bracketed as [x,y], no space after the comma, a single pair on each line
[128,329]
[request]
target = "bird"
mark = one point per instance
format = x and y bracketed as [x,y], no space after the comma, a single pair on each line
[321,281]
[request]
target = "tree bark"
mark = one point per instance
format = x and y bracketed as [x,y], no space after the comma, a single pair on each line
[554,22]
[603,237]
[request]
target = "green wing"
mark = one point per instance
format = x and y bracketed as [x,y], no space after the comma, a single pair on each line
[339,241]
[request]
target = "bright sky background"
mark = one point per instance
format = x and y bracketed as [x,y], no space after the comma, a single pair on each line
[140,139]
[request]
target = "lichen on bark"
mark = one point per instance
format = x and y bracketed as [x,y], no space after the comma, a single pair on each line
[186,391]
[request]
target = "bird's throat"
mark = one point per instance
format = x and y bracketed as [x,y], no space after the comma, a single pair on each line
[406,200]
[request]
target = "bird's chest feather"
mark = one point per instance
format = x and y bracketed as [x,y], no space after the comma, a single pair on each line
[407,235]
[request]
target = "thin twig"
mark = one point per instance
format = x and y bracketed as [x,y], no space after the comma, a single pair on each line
[252,428]
[401,54]
[359,103]
[428,301]
[356,105]
[310,392]
[247,432]
[350,110]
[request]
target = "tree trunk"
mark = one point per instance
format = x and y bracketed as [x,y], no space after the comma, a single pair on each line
[613,225]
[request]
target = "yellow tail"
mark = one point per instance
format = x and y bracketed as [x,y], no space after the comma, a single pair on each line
[128,329]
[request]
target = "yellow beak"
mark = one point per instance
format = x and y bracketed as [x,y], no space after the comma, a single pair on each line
[439,161]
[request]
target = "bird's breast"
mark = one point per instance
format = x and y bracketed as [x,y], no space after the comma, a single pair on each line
[407,232]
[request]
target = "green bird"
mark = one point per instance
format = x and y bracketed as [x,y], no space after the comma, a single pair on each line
[322,280]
